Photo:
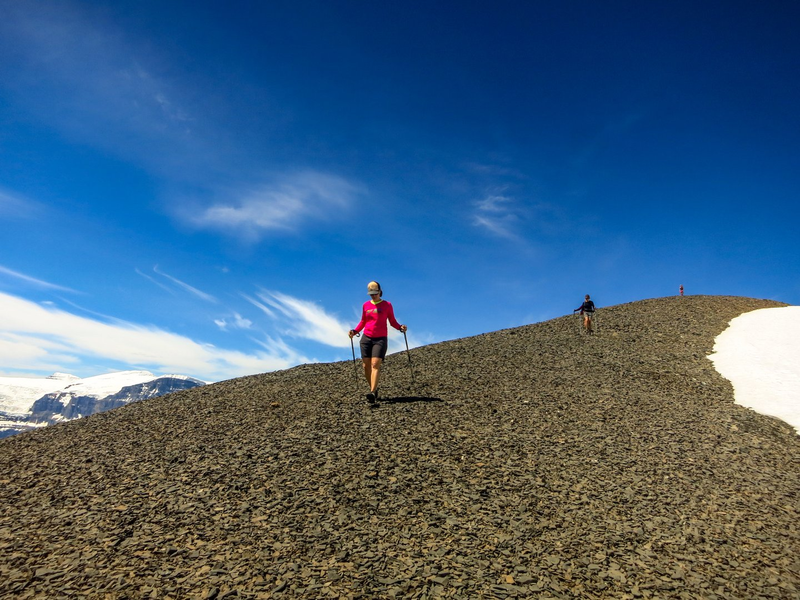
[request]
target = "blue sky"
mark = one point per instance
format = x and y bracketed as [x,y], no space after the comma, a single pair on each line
[206,188]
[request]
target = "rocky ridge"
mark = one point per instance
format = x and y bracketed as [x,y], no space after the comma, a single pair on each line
[61,405]
[528,462]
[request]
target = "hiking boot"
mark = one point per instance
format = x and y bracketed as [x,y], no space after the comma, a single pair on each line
[371,397]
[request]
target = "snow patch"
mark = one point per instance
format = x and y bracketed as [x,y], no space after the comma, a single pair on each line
[17,394]
[756,353]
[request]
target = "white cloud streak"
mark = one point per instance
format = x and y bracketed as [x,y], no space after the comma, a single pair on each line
[38,338]
[13,207]
[236,321]
[185,286]
[496,213]
[304,319]
[155,281]
[280,207]
[262,307]
[33,281]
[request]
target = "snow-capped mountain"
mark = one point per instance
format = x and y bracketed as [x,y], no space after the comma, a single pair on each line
[26,403]
[17,394]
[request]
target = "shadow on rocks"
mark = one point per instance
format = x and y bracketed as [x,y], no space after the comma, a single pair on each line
[408,399]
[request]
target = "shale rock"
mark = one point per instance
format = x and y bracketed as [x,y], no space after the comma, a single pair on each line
[529,462]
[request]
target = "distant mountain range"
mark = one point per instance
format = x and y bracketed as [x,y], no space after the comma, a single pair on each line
[28,403]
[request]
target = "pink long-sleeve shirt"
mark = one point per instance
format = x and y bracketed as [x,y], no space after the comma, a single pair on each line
[374,318]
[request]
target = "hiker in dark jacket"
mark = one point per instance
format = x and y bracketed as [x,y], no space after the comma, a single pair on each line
[587,310]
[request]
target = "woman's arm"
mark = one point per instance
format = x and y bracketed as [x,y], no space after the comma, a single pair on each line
[392,321]
[362,322]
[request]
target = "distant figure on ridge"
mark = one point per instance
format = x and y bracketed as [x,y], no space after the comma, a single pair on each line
[681,289]
[374,315]
[587,310]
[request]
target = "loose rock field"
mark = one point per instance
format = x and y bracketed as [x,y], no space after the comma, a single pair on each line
[530,462]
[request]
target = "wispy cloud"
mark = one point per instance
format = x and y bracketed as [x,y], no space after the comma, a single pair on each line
[235,321]
[33,281]
[154,281]
[282,206]
[185,286]
[35,337]
[279,347]
[302,318]
[169,109]
[14,207]
[497,214]
[260,305]
[520,220]
[105,94]
[494,170]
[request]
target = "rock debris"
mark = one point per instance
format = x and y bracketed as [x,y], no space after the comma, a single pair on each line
[529,462]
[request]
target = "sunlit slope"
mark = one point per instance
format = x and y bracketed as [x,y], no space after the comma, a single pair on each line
[534,460]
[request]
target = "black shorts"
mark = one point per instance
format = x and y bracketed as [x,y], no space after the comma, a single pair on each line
[373,347]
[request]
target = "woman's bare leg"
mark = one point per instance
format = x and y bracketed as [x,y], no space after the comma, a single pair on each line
[372,372]
[375,373]
[367,370]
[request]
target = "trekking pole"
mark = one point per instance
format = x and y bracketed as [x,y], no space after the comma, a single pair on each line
[355,364]
[410,367]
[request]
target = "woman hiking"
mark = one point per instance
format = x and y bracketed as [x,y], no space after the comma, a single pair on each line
[587,310]
[375,314]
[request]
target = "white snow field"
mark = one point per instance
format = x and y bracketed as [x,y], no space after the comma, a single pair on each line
[17,394]
[758,355]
